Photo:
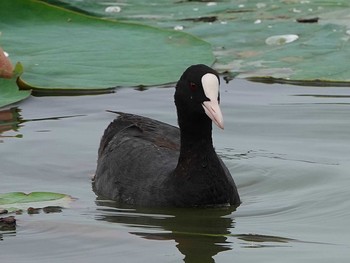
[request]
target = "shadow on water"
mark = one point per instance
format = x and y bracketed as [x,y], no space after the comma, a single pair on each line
[199,233]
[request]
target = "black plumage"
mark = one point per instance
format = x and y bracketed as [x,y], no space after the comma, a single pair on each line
[144,162]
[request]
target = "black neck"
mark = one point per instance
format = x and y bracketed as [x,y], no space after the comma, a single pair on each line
[196,135]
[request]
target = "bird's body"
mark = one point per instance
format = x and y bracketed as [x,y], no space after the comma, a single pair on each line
[144,162]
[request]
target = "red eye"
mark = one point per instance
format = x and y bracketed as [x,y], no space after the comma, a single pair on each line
[193,86]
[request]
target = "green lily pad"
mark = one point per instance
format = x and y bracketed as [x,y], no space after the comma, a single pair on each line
[20,200]
[63,50]
[241,33]
[9,92]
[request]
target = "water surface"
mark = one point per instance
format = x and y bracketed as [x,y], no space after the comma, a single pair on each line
[286,146]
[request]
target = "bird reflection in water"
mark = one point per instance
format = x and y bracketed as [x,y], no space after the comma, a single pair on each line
[200,233]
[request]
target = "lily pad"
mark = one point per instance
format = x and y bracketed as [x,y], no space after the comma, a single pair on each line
[63,50]
[9,92]
[20,200]
[238,30]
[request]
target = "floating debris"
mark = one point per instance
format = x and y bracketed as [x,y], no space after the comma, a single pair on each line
[7,223]
[46,210]
[281,39]
[33,211]
[178,28]
[3,211]
[113,9]
[212,4]
[296,10]
[52,209]
[308,20]
[206,19]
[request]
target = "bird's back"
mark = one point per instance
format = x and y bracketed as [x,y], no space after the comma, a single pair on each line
[136,155]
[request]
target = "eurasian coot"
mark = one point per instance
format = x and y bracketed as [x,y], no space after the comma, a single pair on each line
[144,162]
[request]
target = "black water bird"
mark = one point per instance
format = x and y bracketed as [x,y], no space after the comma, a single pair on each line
[144,162]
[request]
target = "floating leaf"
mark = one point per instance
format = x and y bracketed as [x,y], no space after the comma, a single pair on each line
[234,28]
[20,200]
[63,50]
[9,92]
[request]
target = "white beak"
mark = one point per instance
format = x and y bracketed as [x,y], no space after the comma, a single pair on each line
[210,85]
[212,109]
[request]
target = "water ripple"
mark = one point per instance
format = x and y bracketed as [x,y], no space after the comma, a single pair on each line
[233,154]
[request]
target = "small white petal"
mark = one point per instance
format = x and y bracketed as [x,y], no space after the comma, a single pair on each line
[280,39]
[113,9]
[211,4]
[178,28]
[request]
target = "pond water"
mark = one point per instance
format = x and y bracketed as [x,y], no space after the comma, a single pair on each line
[286,146]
